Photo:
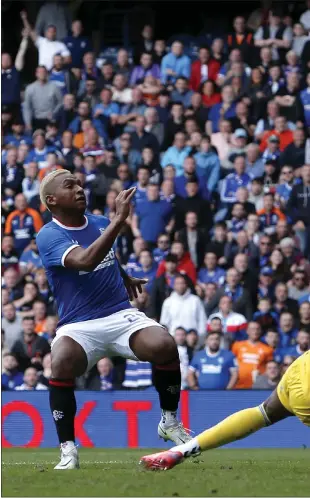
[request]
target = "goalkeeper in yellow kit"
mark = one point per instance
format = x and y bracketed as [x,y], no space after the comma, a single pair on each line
[291,397]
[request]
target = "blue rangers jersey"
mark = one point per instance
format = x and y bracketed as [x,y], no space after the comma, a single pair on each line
[81,295]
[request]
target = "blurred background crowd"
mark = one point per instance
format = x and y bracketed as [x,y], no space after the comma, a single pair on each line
[213,130]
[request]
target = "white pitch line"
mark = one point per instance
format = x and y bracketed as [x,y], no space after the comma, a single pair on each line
[49,462]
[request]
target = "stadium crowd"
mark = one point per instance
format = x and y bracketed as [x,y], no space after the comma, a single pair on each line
[216,140]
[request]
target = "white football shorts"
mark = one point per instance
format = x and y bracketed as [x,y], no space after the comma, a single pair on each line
[108,336]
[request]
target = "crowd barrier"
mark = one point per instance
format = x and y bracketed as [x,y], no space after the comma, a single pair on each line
[122,419]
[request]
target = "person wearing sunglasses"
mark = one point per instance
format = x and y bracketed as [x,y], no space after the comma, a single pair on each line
[299,287]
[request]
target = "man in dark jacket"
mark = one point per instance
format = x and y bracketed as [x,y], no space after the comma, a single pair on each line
[294,154]
[241,39]
[248,276]
[241,245]
[66,113]
[195,203]
[31,349]
[193,238]
[282,302]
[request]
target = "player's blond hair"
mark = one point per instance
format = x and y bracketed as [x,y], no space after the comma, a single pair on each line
[46,183]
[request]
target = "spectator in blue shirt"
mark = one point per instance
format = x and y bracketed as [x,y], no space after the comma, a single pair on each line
[143,177]
[107,107]
[30,259]
[147,269]
[40,150]
[125,154]
[287,330]
[151,216]
[283,191]
[272,151]
[162,249]
[213,368]
[62,78]
[190,170]
[254,163]
[18,136]
[84,112]
[12,172]
[77,44]
[176,154]
[302,345]
[10,81]
[225,110]
[11,376]
[181,92]
[233,181]
[208,163]
[175,64]
[211,273]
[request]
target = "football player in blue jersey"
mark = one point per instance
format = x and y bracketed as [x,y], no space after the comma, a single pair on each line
[96,318]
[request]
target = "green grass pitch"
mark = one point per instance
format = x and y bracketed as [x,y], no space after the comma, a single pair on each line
[109,472]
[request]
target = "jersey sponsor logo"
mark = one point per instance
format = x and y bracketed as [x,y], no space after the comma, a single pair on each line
[211,369]
[107,261]
[252,358]
[21,233]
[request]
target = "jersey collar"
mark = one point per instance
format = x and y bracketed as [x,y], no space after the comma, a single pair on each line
[71,228]
[212,355]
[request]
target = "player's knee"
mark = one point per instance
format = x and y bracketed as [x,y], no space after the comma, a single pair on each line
[63,366]
[167,350]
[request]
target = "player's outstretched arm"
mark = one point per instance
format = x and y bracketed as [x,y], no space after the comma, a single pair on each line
[88,259]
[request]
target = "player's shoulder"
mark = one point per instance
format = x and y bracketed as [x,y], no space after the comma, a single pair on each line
[48,232]
[97,220]
[48,227]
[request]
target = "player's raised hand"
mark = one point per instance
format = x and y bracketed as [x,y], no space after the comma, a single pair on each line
[122,203]
[134,286]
